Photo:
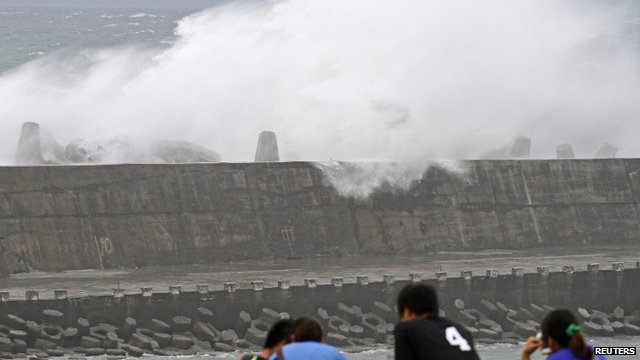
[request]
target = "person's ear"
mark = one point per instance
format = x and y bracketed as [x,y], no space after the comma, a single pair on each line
[407,314]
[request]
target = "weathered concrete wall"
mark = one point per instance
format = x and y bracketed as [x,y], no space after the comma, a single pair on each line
[597,289]
[65,217]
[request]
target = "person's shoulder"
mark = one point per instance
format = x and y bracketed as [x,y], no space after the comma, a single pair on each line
[327,351]
[562,354]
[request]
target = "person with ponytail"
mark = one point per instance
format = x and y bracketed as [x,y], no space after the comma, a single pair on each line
[562,334]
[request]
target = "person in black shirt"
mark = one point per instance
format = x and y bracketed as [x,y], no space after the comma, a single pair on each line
[422,334]
[279,335]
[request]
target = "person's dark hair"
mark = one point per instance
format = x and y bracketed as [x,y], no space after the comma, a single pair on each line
[419,298]
[562,327]
[307,329]
[281,330]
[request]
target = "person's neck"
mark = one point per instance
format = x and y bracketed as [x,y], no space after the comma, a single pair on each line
[266,353]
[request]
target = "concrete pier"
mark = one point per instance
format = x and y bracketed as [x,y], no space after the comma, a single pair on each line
[29,151]
[267,149]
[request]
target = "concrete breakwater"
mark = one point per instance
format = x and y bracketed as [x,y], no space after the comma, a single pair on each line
[497,306]
[82,217]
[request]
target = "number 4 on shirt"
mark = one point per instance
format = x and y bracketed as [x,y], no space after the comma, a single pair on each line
[455,339]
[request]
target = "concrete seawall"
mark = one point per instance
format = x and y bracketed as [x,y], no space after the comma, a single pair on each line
[499,305]
[74,217]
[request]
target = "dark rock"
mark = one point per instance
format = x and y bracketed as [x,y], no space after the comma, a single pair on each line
[134,351]
[19,346]
[203,345]
[94,351]
[347,313]
[488,308]
[380,335]
[356,332]
[358,312]
[485,340]
[181,324]
[70,337]
[42,344]
[256,336]
[205,315]
[524,330]
[503,310]
[110,341]
[243,344]
[88,342]
[475,312]
[53,317]
[228,337]
[491,325]
[538,311]
[523,315]
[181,342]
[34,330]
[243,323]
[16,322]
[55,352]
[160,352]
[335,322]
[6,345]
[145,332]
[202,332]
[223,347]
[17,334]
[344,329]
[618,327]
[213,329]
[269,316]
[384,311]
[323,316]
[390,327]
[599,318]
[41,355]
[618,314]
[104,329]
[633,320]
[488,334]
[52,333]
[607,330]
[96,335]
[260,325]
[631,329]
[466,318]
[159,326]
[116,352]
[591,328]
[128,328]
[143,342]
[336,340]
[369,322]
[83,326]
[533,323]
[472,330]
[164,340]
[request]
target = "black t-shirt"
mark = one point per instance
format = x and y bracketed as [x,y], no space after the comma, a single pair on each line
[433,338]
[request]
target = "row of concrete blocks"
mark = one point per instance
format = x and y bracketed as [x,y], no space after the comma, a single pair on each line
[338,281]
